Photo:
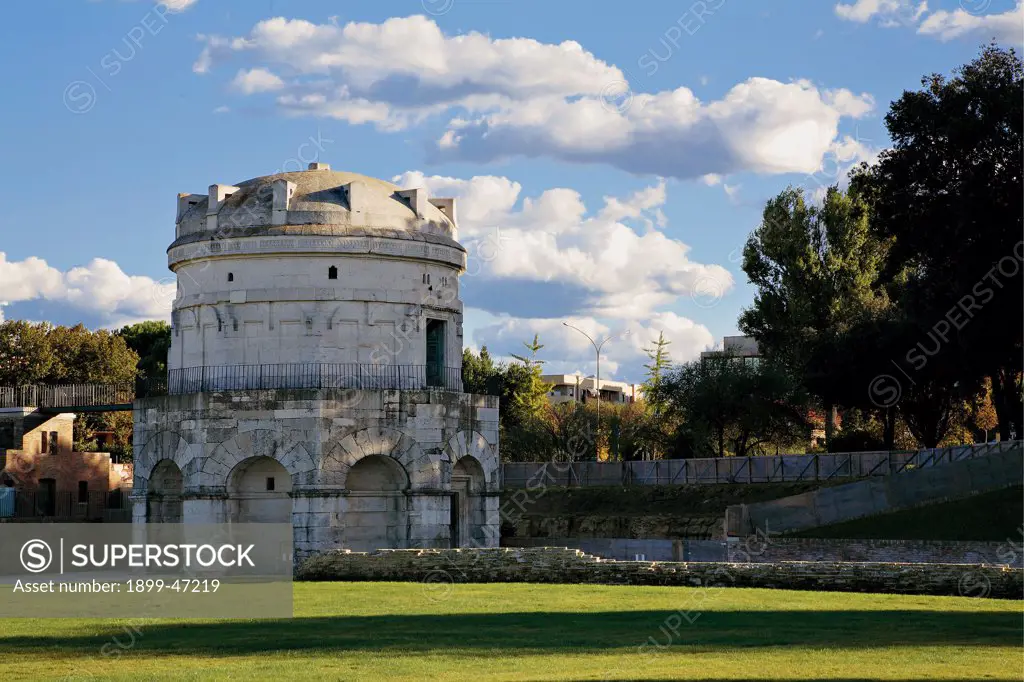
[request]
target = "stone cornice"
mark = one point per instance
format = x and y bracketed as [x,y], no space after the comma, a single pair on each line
[447,252]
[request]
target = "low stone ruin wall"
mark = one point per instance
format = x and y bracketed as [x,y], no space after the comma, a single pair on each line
[560,565]
[892,551]
[762,549]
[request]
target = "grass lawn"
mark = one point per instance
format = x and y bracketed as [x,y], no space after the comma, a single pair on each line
[357,631]
[993,516]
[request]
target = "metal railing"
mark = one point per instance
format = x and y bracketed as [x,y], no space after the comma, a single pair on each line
[759,469]
[39,504]
[313,375]
[237,378]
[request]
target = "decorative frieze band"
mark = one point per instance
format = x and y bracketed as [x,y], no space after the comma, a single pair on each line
[398,248]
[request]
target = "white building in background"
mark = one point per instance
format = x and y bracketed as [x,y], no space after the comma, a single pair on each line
[315,370]
[572,387]
[740,348]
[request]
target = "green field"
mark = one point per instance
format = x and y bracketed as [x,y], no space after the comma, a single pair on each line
[541,632]
[993,516]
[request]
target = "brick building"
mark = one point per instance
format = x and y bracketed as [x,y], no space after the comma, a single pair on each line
[38,460]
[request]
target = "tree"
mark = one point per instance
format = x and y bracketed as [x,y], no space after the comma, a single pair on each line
[523,423]
[533,396]
[479,373]
[930,409]
[41,353]
[638,432]
[815,269]
[981,413]
[659,365]
[524,432]
[82,356]
[865,429]
[572,426]
[151,340]
[25,352]
[730,406]
[946,198]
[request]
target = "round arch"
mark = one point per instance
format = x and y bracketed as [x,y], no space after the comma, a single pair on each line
[473,473]
[259,491]
[163,496]
[472,444]
[424,470]
[265,443]
[161,446]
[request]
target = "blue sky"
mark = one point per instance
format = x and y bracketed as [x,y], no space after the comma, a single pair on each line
[609,160]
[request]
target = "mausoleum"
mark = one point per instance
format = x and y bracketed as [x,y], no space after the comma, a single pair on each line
[315,370]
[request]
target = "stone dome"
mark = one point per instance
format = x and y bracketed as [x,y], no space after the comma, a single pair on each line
[317,201]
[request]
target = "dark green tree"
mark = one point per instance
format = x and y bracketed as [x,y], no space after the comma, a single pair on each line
[25,352]
[947,197]
[816,272]
[479,373]
[82,356]
[533,396]
[151,340]
[525,431]
[727,406]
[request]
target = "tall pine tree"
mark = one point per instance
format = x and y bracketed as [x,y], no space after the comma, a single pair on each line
[659,365]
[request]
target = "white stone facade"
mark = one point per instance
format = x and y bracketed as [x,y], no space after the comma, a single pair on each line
[312,272]
[317,266]
[226,445]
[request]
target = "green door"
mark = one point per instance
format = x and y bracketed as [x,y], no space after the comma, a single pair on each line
[435,352]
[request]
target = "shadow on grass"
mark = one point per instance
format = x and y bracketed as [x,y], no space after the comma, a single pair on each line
[543,632]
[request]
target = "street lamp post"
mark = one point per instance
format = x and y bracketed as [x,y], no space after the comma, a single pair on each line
[597,349]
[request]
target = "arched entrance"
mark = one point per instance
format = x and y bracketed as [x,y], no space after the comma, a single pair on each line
[163,501]
[467,503]
[378,508]
[258,492]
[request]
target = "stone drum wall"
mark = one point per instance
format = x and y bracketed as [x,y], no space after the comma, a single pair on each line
[353,469]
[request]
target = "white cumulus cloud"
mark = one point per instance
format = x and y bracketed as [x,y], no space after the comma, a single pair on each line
[1006,27]
[520,97]
[99,287]
[611,262]
[256,80]
[177,5]
[968,20]
[889,12]
[537,260]
[567,351]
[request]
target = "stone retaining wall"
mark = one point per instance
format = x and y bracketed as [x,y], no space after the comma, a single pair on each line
[560,565]
[827,506]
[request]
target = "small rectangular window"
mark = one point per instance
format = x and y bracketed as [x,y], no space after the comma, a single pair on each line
[83,492]
[54,447]
[43,444]
[270,483]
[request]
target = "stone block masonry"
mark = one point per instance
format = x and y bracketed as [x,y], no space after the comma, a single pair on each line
[560,565]
[352,469]
[789,549]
